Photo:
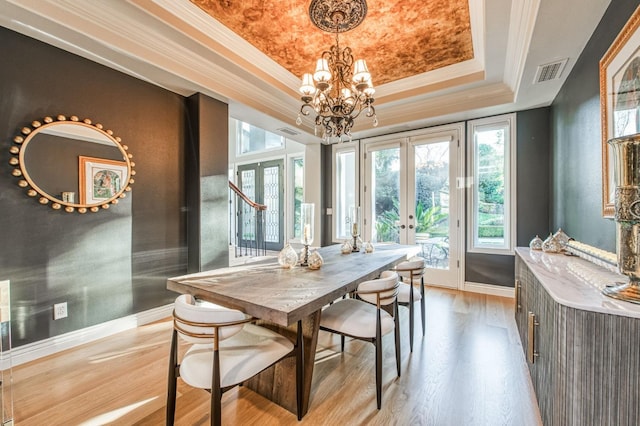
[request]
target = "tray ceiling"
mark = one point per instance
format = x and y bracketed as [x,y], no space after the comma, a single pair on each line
[432,61]
[398,39]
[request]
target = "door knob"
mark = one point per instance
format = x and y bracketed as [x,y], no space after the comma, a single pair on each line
[410,226]
[402,226]
[410,216]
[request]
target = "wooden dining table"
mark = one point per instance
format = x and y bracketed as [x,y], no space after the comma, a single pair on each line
[285,299]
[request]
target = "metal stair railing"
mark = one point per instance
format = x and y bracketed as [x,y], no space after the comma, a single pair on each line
[249,230]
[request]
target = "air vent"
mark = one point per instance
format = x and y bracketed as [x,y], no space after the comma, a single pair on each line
[550,71]
[289,131]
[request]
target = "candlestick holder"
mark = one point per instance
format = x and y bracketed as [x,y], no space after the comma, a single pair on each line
[304,256]
[354,221]
[306,220]
[626,164]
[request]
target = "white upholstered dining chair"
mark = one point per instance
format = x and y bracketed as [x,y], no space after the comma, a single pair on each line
[365,319]
[412,271]
[226,350]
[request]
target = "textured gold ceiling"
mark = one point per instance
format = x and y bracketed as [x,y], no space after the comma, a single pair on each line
[398,38]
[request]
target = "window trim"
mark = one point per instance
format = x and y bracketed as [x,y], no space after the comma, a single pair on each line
[510,185]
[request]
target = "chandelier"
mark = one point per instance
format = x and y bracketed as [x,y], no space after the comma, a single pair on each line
[340,89]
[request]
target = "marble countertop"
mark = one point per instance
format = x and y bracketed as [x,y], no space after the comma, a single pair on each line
[577,283]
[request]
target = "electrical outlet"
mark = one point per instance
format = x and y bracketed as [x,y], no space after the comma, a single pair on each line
[60,310]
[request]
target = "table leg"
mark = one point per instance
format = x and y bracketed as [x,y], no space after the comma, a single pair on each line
[278,383]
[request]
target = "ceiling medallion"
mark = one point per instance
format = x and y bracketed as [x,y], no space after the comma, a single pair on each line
[340,88]
[336,15]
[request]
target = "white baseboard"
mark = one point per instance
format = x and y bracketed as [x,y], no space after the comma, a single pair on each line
[52,345]
[494,290]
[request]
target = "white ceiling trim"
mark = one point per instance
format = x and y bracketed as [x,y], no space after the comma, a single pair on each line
[522,24]
[478,29]
[187,18]
[425,108]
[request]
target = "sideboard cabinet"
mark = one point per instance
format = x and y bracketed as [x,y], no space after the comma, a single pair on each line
[582,348]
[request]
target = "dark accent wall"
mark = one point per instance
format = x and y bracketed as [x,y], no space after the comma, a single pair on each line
[532,198]
[208,183]
[576,185]
[327,194]
[113,263]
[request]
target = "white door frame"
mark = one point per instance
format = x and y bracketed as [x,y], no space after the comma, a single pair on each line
[405,142]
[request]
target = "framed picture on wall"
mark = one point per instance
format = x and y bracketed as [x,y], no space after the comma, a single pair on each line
[619,99]
[100,179]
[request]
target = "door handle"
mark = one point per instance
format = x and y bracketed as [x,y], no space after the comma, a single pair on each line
[402,226]
[532,322]
[410,226]
[410,216]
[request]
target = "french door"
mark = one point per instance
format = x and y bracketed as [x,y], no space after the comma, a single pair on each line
[411,197]
[263,183]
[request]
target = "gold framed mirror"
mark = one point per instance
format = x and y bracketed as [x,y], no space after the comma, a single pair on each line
[72,164]
[619,100]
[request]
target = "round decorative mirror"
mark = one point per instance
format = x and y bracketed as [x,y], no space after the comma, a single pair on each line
[72,164]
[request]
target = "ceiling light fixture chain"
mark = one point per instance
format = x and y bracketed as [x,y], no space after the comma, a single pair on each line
[341,88]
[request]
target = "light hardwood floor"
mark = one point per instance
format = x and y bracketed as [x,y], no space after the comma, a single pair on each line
[469,369]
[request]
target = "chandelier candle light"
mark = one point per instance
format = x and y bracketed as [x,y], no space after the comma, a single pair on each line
[341,88]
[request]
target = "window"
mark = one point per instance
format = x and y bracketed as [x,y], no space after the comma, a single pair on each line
[345,172]
[492,198]
[252,139]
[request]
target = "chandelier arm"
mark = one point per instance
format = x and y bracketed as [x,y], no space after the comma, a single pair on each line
[305,111]
[371,111]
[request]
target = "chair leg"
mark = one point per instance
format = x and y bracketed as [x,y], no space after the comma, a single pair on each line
[378,344]
[342,343]
[216,392]
[172,381]
[299,370]
[411,317]
[397,337]
[422,306]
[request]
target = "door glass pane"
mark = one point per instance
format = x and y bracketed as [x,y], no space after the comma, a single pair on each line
[345,191]
[432,202]
[248,187]
[385,193]
[271,187]
[298,194]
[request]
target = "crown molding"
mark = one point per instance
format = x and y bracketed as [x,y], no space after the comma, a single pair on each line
[417,109]
[522,24]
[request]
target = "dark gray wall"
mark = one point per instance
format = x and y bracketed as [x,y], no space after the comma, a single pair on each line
[532,198]
[576,194]
[327,194]
[208,188]
[109,264]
